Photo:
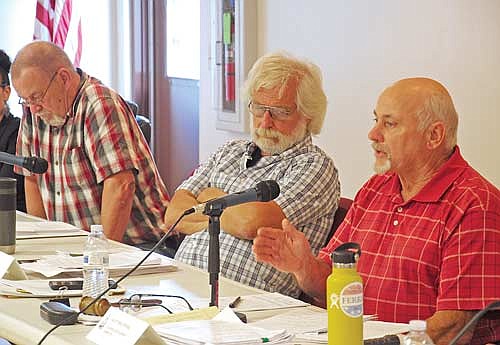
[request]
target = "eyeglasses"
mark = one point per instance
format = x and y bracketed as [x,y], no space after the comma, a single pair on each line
[136,302]
[36,100]
[277,113]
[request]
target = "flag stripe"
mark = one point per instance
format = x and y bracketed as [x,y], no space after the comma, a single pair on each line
[58,21]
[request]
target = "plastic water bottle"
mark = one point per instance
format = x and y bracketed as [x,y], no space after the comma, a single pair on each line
[417,334]
[95,263]
[344,297]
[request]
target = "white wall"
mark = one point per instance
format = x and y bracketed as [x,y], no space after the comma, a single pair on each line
[101,20]
[362,46]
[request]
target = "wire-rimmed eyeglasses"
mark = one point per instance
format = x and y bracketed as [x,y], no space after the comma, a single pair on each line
[136,302]
[37,99]
[277,113]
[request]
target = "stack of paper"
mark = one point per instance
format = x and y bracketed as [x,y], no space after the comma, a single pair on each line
[119,264]
[224,329]
[31,229]
[310,326]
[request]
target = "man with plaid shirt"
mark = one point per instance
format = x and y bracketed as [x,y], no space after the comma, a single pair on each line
[287,105]
[100,168]
[428,223]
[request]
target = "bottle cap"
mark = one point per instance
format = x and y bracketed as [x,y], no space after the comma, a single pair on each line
[96,228]
[347,253]
[418,325]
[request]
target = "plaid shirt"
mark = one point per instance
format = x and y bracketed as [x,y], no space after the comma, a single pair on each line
[309,196]
[438,251]
[100,138]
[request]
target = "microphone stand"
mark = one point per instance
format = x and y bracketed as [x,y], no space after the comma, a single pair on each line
[214,212]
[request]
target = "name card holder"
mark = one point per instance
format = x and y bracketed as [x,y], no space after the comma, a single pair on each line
[10,269]
[118,327]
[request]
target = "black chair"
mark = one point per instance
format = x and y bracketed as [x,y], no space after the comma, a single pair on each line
[142,121]
[338,218]
[344,206]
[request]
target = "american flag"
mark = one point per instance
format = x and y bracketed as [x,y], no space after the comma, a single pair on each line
[58,21]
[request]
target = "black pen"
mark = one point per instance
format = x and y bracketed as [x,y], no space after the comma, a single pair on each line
[235,303]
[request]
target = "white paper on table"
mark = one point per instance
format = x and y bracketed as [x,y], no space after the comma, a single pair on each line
[52,265]
[257,302]
[32,288]
[219,331]
[31,229]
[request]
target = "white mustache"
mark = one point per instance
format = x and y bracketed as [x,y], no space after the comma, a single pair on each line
[379,147]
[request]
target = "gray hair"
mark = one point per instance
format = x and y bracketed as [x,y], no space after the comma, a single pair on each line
[439,107]
[277,69]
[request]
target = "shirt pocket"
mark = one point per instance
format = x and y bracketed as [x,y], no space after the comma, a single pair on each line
[78,172]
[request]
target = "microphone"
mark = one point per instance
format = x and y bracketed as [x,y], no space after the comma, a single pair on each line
[35,165]
[479,314]
[264,191]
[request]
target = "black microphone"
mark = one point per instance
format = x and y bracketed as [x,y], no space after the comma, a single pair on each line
[264,191]
[472,322]
[36,165]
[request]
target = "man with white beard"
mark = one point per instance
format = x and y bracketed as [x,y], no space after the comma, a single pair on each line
[428,224]
[100,168]
[287,105]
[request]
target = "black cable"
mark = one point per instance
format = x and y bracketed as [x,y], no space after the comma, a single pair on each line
[472,321]
[160,242]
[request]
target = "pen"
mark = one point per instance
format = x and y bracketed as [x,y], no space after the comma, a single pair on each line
[235,303]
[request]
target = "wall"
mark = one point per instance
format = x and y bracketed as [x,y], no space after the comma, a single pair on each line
[362,46]
[99,58]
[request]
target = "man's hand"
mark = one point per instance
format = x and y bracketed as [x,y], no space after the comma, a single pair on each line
[289,251]
[285,249]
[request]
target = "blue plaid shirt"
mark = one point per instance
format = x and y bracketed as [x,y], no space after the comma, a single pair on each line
[309,196]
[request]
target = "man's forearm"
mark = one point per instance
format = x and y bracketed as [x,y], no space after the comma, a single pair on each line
[34,202]
[182,201]
[117,199]
[312,279]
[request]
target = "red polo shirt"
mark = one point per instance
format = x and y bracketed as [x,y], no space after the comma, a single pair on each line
[440,250]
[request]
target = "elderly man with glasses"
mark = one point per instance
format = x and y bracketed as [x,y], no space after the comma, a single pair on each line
[287,105]
[100,168]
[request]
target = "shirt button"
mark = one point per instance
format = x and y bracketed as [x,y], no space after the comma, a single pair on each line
[400,209]
[395,222]
[57,162]
[58,193]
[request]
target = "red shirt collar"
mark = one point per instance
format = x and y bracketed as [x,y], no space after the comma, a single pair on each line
[436,187]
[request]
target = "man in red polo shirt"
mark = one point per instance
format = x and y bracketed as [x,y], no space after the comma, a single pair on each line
[428,223]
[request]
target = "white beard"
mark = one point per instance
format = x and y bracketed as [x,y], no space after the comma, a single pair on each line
[381,168]
[264,138]
[51,119]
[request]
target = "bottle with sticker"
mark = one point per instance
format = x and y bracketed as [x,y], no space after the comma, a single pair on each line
[344,297]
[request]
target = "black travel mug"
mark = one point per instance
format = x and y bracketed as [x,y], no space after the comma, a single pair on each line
[7,215]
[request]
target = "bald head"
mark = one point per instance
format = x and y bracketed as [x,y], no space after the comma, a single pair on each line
[41,55]
[429,101]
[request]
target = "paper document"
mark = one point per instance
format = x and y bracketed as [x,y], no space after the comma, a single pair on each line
[223,329]
[32,288]
[304,320]
[31,229]
[119,264]
[262,301]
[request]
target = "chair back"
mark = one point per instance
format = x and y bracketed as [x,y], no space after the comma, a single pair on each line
[142,121]
[344,205]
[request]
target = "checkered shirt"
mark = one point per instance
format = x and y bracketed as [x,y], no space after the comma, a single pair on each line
[100,138]
[438,251]
[309,195]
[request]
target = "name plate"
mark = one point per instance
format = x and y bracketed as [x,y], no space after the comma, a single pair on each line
[10,269]
[118,327]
